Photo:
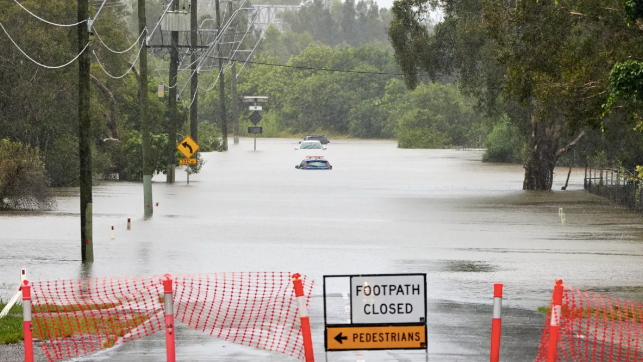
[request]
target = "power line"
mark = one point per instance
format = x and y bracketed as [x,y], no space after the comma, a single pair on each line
[36,62]
[302,67]
[116,51]
[47,21]
[126,72]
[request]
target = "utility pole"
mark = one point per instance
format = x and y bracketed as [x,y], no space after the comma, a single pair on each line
[171,111]
[233,90]
[235,108]
[144,114]
[194,81]
[224,122]
[84,137]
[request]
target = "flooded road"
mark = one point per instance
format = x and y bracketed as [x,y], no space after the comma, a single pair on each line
[380,210]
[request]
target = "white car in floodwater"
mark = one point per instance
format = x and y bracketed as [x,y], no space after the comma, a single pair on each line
[312,148]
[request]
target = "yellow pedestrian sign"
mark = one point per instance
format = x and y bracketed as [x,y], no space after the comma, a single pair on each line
[188,147]
[363,337]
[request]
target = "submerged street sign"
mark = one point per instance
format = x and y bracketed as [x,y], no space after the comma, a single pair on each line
[388,298]
[188,147]
[350,337]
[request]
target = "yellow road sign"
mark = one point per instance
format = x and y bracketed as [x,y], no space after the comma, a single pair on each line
[187,161]
[188,147]
[341,338]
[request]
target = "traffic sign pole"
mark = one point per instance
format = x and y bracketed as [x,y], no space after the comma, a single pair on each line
[255,125]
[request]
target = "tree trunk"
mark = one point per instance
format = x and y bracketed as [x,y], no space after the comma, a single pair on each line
[543,148]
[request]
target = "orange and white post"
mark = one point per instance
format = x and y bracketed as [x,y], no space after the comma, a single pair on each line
[303,315]
[168,303]
[496,323]
[554,323]
[26,318]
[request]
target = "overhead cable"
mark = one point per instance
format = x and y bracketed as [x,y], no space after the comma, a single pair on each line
[124,74]
[35,61]
[123,51]
[47,21]
[313,68]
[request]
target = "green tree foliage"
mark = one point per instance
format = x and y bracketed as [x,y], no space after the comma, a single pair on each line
[23,179]
[505,143]
[550,58]
[38,106]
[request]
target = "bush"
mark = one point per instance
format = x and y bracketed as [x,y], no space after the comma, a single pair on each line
[128,155]
[505,143]
[427,137]
[209,137]
[23,180]
[416,130]
[62,162]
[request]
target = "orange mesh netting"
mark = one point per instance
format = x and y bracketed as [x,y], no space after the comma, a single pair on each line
[595,327]
[255,309]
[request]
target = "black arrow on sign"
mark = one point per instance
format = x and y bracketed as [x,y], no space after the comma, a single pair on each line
[339,338]
[186,145]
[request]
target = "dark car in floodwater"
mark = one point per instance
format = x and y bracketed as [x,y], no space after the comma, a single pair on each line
[317,137]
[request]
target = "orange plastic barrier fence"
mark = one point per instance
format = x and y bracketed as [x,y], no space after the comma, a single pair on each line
[593,327]
[256,309]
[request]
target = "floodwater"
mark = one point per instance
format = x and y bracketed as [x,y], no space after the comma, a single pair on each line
[465,223]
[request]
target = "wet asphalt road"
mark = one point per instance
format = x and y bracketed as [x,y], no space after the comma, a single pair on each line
[380,210]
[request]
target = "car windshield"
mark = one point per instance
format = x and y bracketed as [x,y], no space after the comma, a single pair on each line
[317,164]
[311,146]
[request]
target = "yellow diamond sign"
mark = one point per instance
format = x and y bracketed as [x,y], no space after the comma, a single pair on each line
[187,147]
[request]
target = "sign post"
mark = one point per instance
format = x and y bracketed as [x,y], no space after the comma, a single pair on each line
[255,117]
[387,311]
[188,148]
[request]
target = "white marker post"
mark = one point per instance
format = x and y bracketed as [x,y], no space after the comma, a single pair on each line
[16,297]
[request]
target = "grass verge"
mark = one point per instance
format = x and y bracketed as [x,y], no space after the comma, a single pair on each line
[63,325]
[11,325]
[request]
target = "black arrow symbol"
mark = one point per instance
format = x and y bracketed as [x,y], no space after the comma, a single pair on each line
[339,338]
[186,145]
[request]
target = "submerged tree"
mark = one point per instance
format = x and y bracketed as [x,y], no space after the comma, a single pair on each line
[23,180]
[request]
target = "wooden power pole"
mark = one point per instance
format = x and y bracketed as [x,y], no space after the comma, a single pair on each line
[148,169]
[235,105]
[172,114]
[233,91]
[194,81]
[222,116]
[84,136]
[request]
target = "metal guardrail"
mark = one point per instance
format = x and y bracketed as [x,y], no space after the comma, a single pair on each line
[620,186]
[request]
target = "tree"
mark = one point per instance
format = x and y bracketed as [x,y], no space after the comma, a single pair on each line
[551,58]
[23,179]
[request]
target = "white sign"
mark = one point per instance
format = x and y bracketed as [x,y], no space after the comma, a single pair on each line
[255,108]
[388,299]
